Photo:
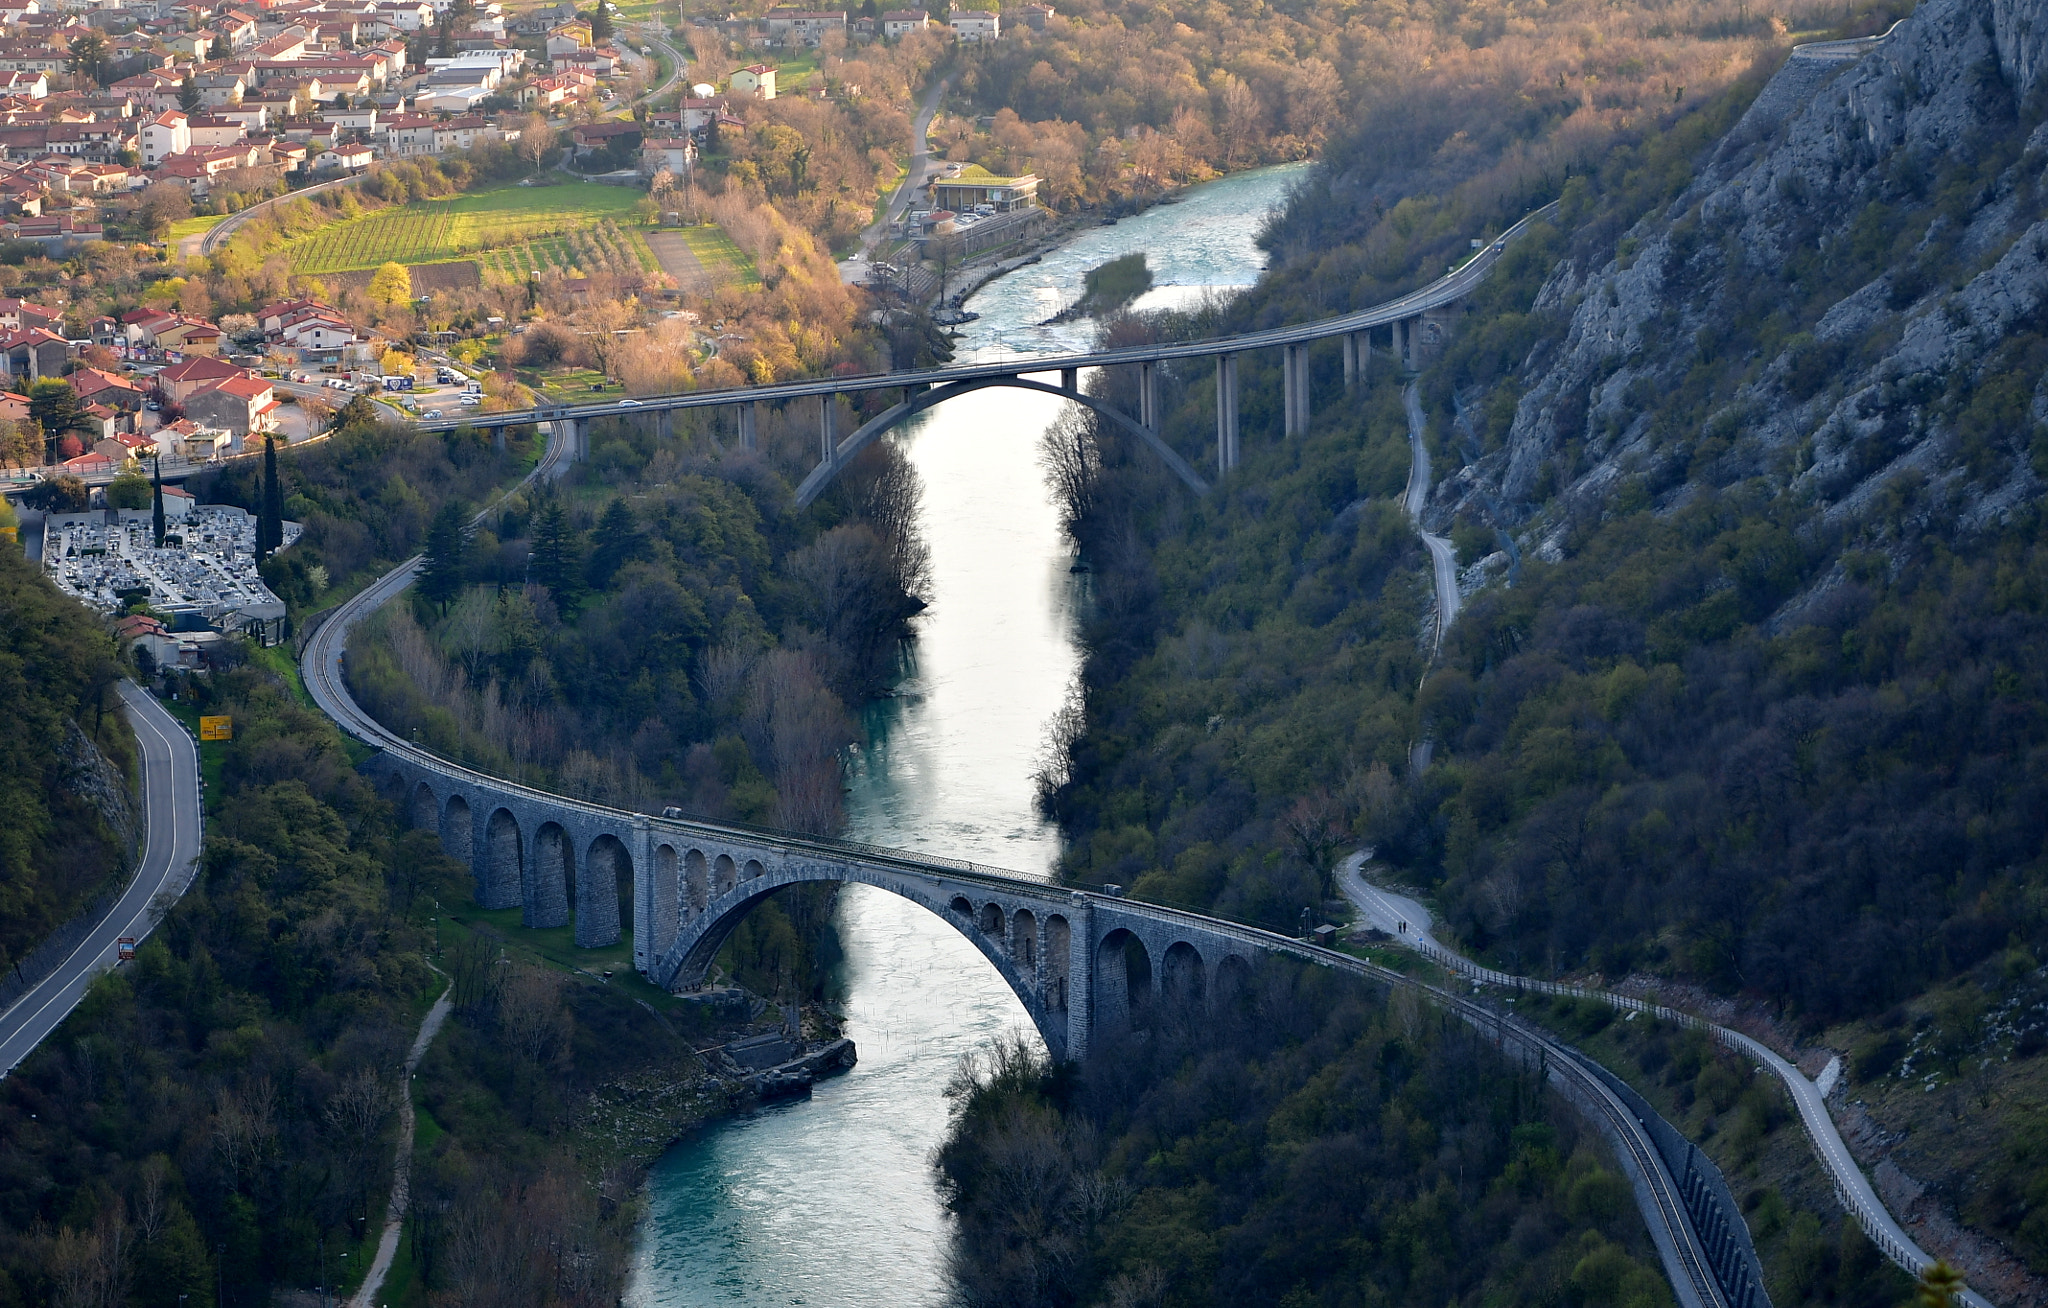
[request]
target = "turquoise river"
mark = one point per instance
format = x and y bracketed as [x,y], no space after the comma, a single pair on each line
[830,1200]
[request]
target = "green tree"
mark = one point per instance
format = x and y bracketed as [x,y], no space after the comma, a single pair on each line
[55,405]
[1938,1286]
[58,495]
[130,490]
[188,95]
[616,542]
[359,414]
[442,572]
[601,22]
[557,561]
[89,57]
[391,286]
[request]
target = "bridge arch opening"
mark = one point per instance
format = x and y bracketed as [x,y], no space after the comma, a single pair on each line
[505,861]
[458,832]
[962,907]
[547,888]
[725,875]
[1059,942]
[607,866]
[752,870]
[1024,939]
[696,882]
[1181,981]
[1233,979]
[668,901]
[1123,979]
[990,921]
[425,811]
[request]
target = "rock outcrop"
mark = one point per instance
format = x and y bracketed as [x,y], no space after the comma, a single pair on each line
[1846,267]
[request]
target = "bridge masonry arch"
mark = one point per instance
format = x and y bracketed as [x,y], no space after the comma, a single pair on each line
[1084,966]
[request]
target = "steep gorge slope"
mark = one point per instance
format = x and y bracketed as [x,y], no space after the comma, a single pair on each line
[1839,299]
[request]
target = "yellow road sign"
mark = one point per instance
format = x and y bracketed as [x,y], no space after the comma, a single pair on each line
[220,728]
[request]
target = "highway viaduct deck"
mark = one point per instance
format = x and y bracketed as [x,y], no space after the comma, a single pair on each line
[1416,323]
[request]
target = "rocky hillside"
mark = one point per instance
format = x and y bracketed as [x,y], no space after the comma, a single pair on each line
[1846,299]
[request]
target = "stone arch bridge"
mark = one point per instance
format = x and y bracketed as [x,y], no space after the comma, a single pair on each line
[1077,961]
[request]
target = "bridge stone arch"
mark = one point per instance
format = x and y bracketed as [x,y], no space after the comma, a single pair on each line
[822,475]
[597,891]
[1123,979]
[458,834]
[504,871]
[1182,981]
[549,868]
[426,811]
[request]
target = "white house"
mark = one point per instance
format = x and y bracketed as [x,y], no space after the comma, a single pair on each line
[902,22]
[166,134]
[974,25]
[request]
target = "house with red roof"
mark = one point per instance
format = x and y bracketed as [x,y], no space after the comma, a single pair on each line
[34,353]
[181,380]
[241,404]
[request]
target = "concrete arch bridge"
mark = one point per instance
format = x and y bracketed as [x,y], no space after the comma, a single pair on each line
[1416,325]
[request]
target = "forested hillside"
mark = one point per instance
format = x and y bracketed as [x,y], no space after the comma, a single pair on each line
[1743,461]
[66,757]
[663,626]
[1318,1142]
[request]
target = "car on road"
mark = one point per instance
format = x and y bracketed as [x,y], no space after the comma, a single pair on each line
[629,404]
[431,413]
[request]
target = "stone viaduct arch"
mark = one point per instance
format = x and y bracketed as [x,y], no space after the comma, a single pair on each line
[1079,963]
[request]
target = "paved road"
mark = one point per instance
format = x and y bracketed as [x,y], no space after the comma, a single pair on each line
[1441,552]
[855,268]
[170,766]
[1409,923]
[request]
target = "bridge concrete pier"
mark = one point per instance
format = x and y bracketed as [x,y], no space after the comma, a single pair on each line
[828,437]
[574,434]
[1357,357]
[1294,389]
[749,436]
[1226,413]
[1070,380]
[662,427]
[1148,396]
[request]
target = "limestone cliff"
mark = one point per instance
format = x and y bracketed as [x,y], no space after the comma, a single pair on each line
[1854,264]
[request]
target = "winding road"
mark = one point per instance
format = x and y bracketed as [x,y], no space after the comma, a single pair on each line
[1442,554]
[170,772]
[854,268]
[1409,923]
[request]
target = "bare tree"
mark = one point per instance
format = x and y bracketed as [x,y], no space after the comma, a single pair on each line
[533,1016]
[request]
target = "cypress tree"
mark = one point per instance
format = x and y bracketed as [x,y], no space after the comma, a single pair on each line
[270,518]
[157,511]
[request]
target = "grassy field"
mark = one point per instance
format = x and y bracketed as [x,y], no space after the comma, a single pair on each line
[720,257]
[193,226]
[514,230]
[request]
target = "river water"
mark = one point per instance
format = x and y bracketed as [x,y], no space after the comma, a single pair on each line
[830,1201]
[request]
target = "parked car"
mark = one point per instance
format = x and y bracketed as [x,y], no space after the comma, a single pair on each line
[471,401]
[431,413]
